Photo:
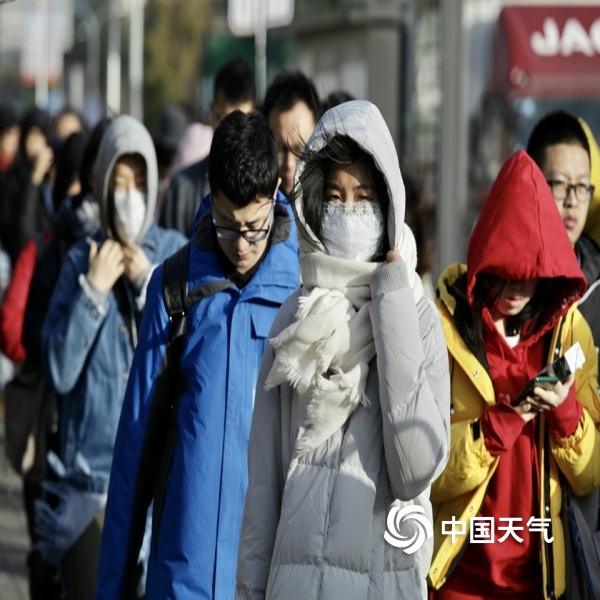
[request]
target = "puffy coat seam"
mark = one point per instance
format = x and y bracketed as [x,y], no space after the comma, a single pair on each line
[344,466]
[325,563]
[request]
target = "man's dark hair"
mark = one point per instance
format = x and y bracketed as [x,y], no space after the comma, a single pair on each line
[557,127]
[289,88]
[339,150]
[336,98]
[68,165]
[90,153]
[235,80]
[8,118]
[242,163]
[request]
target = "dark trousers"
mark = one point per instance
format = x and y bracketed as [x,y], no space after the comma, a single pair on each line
[81,561]
[43,577]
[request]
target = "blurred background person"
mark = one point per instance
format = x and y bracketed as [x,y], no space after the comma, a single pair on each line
[64,123]
[28,206]
[12,311]
[9,143]
[193,146]
[171,127]
[43,576]
[420,218]
[9,138]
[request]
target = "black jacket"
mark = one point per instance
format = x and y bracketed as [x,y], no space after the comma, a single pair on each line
[183,196]
[588,254]
[78,217]
[24,212]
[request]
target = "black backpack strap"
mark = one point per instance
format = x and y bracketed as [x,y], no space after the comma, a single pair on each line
[176,299]
[162,432]
[175,292]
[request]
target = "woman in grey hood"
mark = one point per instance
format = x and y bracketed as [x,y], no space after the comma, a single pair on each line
[351,418]
[88,339]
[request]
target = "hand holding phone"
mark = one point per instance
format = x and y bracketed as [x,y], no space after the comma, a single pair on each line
[559,370]
[546,382]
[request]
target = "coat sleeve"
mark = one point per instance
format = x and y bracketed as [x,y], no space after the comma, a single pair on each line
[71,324]
[12,312]
[576,455]
[414,382]
[145,369]
[469,464]
[265,484]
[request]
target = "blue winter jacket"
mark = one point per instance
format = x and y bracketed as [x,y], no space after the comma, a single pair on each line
[195,553]
[87,354]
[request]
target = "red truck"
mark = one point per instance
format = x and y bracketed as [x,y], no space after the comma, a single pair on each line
[544,58]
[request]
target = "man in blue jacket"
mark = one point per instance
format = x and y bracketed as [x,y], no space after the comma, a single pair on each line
[245,250]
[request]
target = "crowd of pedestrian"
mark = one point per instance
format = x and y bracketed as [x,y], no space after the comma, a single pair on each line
[241,380]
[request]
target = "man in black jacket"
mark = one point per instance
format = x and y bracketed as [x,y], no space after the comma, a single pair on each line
[234,90]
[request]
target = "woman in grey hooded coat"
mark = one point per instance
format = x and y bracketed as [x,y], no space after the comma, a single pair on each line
[88,340]
[351,417]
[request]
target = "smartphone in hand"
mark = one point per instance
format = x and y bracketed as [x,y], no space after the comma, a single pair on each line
[546,382]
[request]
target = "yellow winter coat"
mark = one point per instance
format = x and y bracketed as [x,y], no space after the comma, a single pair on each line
[460,490]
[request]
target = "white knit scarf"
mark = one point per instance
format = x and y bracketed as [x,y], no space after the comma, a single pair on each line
[324,355]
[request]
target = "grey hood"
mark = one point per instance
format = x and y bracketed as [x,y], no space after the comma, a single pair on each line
[361,121]
[125,135]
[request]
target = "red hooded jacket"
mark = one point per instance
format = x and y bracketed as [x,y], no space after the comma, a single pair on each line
[519,235]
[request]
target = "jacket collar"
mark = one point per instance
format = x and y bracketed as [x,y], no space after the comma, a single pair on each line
[588,255]
[278,267]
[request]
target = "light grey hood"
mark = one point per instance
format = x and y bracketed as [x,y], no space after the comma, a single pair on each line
[125,135]
[361,121]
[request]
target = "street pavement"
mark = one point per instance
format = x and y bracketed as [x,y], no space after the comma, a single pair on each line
[14,540]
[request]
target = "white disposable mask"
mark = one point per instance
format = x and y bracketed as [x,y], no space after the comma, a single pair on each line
[353,230]
[130,212]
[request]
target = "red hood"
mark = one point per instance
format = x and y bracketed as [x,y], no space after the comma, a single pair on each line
[519,233]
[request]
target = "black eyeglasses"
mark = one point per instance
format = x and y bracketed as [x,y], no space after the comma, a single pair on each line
[250,235]
[562,189]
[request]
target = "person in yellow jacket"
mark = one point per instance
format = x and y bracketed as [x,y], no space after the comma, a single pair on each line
[498,530]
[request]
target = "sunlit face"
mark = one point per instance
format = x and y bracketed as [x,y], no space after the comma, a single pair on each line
[66,125]
[221,106]
[350,183]
[257,215]
[35,143]
[130,173]
[514,297]
[9,141]
[291,129]
[569,163]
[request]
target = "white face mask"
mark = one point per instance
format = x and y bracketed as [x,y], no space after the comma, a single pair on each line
[130,212]
[353,230]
